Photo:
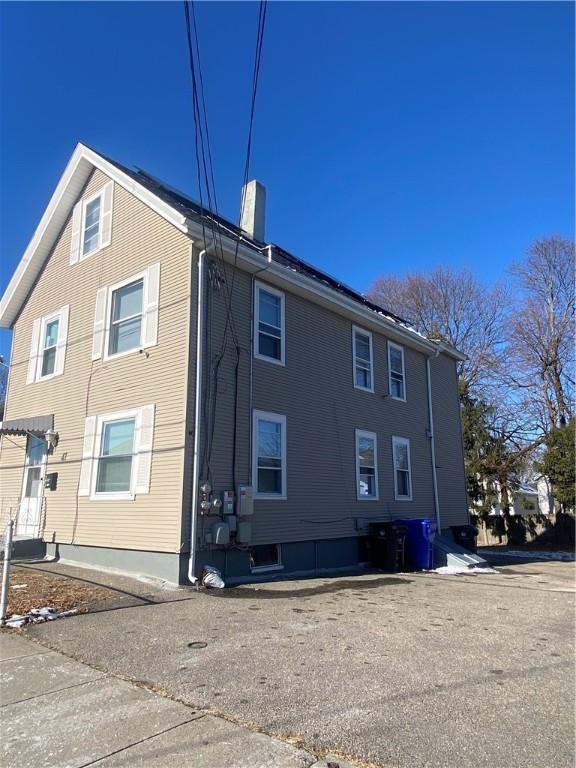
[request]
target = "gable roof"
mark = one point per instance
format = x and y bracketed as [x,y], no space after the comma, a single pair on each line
[177,208]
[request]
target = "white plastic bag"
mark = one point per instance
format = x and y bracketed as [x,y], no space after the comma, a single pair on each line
[212,578]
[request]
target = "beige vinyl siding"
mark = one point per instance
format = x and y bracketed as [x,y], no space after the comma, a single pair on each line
[316,394]
[449,450]
[140,238]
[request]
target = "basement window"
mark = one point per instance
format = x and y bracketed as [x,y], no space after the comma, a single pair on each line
[265,557]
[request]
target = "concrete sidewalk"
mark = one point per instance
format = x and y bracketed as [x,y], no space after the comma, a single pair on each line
[61,713]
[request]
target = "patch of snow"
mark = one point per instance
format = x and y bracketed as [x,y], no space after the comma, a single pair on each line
[37,616]
[531,554]
[450,570]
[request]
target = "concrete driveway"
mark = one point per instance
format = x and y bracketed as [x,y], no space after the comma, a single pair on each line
[407,671]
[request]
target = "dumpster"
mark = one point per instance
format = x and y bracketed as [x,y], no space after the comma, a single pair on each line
[419,547]
[387,546]
[465,536]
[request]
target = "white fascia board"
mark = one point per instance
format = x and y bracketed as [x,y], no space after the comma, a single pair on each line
[287,278]
[78,169]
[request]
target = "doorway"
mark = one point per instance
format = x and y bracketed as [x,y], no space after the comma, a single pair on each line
[32,487]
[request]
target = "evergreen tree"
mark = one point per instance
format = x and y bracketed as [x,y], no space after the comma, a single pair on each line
[558,464]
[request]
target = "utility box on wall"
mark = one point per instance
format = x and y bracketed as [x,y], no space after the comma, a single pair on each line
[244,532]
[245,501]
[221,534]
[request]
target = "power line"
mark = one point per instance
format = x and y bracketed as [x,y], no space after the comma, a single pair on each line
[206,181]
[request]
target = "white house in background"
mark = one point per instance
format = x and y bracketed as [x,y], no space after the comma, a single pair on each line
[530,498]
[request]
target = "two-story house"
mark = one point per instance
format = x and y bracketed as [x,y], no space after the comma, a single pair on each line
[182,392]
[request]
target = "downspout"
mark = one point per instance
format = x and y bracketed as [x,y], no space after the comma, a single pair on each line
[197,411]
[432,442]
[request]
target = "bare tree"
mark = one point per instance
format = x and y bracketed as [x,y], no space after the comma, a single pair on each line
[455,307]
[541,332]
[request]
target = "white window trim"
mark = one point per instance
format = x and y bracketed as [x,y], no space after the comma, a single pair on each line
[258,286]
[356,329]
[267,568]
[111,289]
[40,351]
[102,419]
[392,345]
[278,419]
[372,436]
[401,441]
[85,204]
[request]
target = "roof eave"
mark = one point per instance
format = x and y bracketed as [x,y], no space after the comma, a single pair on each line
[82,162]
[253,259]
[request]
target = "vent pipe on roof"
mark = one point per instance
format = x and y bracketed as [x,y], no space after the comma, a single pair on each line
[253,210]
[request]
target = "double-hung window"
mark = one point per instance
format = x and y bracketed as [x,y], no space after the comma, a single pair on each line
[366,465]
[269,455]
[48,350]
[402,472]
[126,318]
[48,346]
[126,315]
[396,375]
[91,228]
[269,314]
[91,224]
[362,353]
[116,455]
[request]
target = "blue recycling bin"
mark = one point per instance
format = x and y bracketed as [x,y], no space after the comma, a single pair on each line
[419,552]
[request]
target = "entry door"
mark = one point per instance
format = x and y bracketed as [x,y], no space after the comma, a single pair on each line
[32,487]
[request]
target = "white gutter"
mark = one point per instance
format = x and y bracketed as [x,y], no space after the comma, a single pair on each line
[432,442]
[197,411]
[288,279]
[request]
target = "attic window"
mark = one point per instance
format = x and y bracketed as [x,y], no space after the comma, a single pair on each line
[92,224]
[91,229]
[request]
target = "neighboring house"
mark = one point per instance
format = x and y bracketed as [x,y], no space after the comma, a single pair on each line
[175,379]
[529,498]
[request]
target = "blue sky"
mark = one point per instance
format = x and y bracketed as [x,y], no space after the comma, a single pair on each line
[391,136]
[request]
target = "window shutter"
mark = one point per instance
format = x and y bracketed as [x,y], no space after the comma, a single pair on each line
[106,227]
[62,338]
[34,345]
[87,457]
[150,337]
[99,323]
[76,226]
[144,440]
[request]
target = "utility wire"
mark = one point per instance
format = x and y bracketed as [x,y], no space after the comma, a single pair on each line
[206,182]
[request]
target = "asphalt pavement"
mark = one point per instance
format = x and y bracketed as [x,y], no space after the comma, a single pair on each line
[407,671]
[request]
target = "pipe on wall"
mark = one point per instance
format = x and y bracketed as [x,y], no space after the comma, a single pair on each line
[432,438]
[197,411]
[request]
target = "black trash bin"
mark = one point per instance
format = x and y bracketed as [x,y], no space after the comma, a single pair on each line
[465,536]
[388,541]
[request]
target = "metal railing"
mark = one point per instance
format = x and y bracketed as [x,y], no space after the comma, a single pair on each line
[9,509]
